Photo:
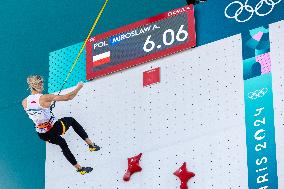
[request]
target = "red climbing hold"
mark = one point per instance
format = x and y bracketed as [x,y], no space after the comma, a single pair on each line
[183,175]
[133,167]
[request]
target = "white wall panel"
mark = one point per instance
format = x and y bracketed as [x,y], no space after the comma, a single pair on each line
[277,58]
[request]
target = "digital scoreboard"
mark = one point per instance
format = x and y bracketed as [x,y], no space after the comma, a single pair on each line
[140,42]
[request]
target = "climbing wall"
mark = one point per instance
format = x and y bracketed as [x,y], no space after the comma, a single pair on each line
[194,115]
[60,62]
[277,58]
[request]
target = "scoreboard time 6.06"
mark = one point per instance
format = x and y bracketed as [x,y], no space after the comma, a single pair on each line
[140,42]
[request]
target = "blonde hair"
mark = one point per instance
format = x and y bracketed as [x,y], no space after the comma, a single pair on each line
[35,82]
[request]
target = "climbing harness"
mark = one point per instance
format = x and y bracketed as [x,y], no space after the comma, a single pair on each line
[45,125]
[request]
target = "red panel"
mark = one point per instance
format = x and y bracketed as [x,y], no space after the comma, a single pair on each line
[151,76]
[191,43]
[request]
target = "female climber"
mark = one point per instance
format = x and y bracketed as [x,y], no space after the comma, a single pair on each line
[48,127]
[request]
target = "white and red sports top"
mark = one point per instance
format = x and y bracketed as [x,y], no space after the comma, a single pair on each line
[38,114]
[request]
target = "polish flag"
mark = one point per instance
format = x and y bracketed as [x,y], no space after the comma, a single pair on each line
[101,59]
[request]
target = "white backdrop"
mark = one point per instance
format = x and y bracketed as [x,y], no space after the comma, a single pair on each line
[195,115]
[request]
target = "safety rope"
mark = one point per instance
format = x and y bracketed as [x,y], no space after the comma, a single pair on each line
[80,52]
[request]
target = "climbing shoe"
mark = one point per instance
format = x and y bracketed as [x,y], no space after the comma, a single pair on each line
[85,170]
[94,147]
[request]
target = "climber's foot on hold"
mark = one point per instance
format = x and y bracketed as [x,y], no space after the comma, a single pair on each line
[85,170]
[94,148]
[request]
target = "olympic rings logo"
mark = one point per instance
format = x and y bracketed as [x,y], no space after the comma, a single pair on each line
[250,9]
[257,94]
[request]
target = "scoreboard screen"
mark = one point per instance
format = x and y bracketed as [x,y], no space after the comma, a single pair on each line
[140,42]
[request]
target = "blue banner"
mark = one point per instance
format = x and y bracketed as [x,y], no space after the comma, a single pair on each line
[216,20]
[259,112]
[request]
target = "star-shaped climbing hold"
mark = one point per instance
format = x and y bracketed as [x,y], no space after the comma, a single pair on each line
[183,175]
[133,167]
